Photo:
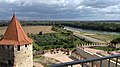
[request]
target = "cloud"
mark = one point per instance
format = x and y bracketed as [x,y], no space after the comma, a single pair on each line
[61,9]
[100,3]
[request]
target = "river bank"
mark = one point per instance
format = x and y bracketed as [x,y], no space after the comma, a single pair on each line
[99,35]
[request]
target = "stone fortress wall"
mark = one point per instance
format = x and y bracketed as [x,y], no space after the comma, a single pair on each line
[6,56]
[99,44]
[93,44]
[16,56]
[24,57]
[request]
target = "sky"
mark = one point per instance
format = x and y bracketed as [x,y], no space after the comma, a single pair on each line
[61,9]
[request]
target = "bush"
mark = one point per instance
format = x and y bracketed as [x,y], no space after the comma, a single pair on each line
[40,33]
[55,40]
[115,41]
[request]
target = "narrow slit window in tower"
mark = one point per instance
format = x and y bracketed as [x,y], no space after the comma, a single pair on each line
[18,47]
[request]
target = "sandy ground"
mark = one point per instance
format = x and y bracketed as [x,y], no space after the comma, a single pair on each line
[93,50]
[86,34]
[37,64]
[101,51]
[115,52]
[61,57]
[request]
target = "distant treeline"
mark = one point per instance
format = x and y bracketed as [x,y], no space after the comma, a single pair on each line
[112,27]
[92,25]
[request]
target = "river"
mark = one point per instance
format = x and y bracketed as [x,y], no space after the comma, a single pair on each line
[90,31]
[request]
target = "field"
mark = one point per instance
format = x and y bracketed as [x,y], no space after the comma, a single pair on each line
[104,37]
[105,48]
[31,29]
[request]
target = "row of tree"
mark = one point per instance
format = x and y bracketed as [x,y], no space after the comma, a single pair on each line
[113,27]
[101,26]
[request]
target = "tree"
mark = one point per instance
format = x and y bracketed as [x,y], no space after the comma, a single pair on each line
[115,41]
[40,33]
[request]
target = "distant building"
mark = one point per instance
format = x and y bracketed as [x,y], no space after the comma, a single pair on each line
[15,47]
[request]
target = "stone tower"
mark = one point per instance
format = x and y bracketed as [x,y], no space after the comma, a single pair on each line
[15,46]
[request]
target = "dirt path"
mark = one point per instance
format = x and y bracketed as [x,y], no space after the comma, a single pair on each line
[88,38]
[76,33]
[37,64]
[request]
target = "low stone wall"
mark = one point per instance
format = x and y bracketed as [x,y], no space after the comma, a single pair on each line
[93,44]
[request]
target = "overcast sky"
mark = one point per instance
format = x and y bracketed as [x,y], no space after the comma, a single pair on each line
[61,9]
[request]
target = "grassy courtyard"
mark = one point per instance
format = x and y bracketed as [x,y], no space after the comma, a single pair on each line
[45,61]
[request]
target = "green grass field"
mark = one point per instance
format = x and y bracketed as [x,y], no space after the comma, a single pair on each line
[105,48]
[104,37]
